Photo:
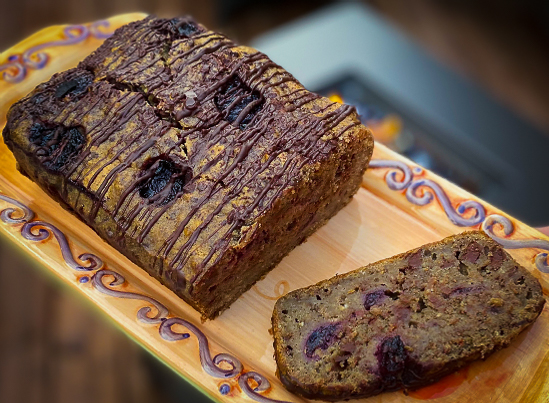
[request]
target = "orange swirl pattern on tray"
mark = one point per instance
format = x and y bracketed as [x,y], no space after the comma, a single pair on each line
[14,71]
[420,191]
[16,68]
[22,214]
[93,269]
[456,214]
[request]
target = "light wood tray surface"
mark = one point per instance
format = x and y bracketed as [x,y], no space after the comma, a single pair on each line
[399,207]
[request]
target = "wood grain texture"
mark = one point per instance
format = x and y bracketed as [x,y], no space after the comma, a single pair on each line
[378,223]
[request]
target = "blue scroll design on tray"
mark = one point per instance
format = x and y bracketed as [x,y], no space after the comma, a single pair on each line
[45,231]
[542,263]
[16,68]
[419,191]
[422,191]
[106,281]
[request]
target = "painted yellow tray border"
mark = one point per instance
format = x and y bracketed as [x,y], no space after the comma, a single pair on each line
[115,288]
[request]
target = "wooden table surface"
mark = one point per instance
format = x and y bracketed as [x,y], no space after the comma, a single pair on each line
[54,348]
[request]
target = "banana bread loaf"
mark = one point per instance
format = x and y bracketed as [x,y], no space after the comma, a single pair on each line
[202,161]
[403,322]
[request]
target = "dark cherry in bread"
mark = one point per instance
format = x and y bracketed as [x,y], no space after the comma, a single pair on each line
[202,161]
[403,322]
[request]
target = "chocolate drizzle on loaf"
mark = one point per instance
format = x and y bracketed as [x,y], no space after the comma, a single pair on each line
[74,87]
[237,102]
[189,140]
[162,180]
[56,144]
[403,322]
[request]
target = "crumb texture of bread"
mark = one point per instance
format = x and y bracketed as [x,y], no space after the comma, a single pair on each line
[403,322]
[202,161]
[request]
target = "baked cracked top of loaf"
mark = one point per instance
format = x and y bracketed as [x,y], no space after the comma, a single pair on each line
[189,154]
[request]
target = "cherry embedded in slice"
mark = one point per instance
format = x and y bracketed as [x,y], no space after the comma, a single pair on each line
[496,260]
[415,260]
[373,298]
[391,357]
[320,338]
[471,253]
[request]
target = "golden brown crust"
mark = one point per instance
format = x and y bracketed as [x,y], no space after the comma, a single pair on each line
[202,161]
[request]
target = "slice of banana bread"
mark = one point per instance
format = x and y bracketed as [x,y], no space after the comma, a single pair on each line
[202,161]
[403,322]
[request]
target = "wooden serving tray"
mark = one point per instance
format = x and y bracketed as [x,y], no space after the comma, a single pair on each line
[400,206]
